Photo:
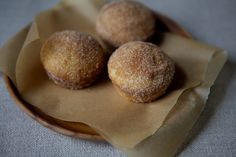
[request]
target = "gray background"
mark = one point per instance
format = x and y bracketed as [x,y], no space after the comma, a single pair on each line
[212,21]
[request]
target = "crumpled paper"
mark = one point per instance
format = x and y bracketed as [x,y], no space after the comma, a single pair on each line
[154,129]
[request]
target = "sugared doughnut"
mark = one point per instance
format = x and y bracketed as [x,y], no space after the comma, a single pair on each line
[72,59]
[140,71]
[124,21]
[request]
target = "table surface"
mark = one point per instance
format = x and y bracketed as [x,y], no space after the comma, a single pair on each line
[212,21]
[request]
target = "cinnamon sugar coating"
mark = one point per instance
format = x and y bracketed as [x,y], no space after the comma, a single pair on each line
[72,59]
[140,71]
[124,21]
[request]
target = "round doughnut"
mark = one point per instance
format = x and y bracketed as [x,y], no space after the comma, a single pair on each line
[72,59]
[123,21]
[140,71]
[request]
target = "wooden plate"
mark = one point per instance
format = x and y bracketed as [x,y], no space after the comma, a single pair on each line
[79,129]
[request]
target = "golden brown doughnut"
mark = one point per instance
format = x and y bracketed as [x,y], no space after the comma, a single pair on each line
[72,59]
[140,71]
[124,21]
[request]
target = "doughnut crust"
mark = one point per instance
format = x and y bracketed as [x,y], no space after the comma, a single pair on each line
[140,71]
[72,59]
[123,21]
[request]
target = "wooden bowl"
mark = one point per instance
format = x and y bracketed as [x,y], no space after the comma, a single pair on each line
[81,130]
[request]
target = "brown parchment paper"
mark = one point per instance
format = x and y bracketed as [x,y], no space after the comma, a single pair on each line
[177,125]
[122,123]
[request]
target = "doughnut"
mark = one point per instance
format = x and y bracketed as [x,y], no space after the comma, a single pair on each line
[140,71]
[123,21]
[72,59]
